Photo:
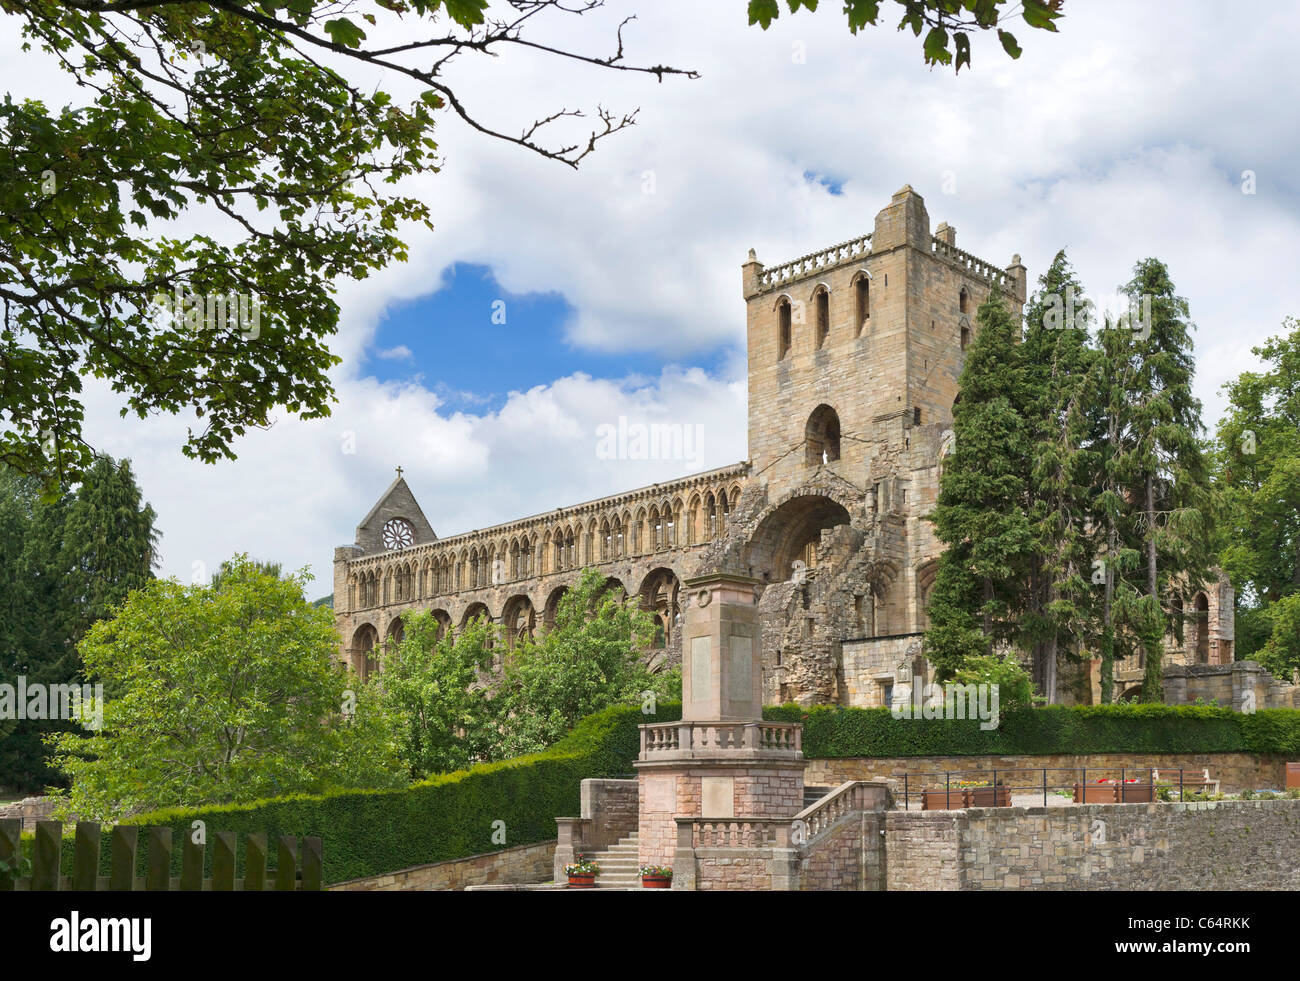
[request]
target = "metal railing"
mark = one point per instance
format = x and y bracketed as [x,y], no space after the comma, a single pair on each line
[1188,780]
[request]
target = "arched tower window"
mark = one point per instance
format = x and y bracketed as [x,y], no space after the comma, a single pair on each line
[822,308]
[861,302]
[822,436]
[963,301]
[965,333]
[783,320]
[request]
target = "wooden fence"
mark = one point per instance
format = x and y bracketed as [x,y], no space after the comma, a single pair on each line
[46,874]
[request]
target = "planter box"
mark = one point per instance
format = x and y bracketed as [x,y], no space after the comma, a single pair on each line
[989,797]
[1136,793]
[1094,793]
[582,881]
[943,800]
[656,882]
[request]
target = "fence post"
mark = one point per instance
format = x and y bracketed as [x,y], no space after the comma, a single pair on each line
[192,855]
[286,864]
[121,874]
[906,796]
[1044,786]
[48,856]
[313,868]
[11,850]
[254,863]
[85,857]
[158,877]
[223,862]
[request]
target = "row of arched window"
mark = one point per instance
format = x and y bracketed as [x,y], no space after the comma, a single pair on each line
[790,313]
[667,524]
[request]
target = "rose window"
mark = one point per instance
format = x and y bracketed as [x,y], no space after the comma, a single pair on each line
[398,534]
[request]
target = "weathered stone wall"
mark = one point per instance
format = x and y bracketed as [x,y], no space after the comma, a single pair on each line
[762,792]
[611,809]
[523,863]
[850,857]
[1216,845]
[30,810]
[1235,771]
[732,869]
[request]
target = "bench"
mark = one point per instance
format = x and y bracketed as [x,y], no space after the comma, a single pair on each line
[1191,782]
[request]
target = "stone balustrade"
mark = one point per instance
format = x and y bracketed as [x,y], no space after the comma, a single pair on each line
[733,833]
[814,262]
[666,741]
[972,264]
[851,797]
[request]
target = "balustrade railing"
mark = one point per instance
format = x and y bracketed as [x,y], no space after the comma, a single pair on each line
[705,738]
[808,264]
[972,264]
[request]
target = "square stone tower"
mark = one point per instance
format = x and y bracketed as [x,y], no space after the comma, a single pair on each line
[854,346]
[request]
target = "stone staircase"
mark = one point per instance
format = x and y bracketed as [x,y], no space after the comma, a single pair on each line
[618,865]
[811,795]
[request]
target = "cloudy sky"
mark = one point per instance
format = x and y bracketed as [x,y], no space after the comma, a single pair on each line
[1123,136]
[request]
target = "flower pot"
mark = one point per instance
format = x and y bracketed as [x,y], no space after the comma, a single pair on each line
[656,882]
[1094,793]
[943,800]
[989,797]
[583,881]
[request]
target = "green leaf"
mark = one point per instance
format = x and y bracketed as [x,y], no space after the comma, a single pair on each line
[763,12]
[1009,43]
[343,31]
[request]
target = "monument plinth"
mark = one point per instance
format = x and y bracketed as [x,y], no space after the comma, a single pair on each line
[721,764]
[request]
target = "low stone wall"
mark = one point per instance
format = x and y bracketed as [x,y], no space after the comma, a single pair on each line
[1235,771]
[1244,845]
[851,857]
[611,809]
[521,864]
[30,810]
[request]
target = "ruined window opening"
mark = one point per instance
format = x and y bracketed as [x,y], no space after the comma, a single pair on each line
[822,437]
[823,306]
[783,316]
[862,301]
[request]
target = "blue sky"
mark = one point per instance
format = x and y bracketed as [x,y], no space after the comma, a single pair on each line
[452,342]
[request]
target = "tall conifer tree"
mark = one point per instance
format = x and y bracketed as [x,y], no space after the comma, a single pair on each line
[980,585]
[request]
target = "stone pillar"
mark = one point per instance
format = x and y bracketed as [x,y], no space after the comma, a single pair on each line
[721,761]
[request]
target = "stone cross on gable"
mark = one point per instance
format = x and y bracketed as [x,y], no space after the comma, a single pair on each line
[399,471]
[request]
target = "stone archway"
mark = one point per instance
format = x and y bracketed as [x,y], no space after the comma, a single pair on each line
[361,652]
[790,534]
[659,596]
[518,619]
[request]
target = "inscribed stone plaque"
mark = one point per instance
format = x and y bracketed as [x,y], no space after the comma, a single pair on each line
[740,668]
[700,668]
[717,797]
[661,794]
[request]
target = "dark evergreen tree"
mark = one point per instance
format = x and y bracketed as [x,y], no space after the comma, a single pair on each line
[65,563]
[980,512]
[1058,361]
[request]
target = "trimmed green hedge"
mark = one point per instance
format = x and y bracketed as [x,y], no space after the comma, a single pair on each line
[833,732]
[448,816]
